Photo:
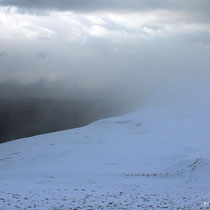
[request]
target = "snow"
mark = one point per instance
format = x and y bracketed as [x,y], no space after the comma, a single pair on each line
[156,157]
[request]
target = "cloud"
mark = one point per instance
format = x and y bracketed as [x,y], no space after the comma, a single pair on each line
[93,5]
[41,55]
[148,49]
[2,54]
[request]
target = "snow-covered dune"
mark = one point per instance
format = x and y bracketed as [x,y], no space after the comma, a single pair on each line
[152,158]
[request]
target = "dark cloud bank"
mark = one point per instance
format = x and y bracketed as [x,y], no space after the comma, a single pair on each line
[37,108]
[92,5]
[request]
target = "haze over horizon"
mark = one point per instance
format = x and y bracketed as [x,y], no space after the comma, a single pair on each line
[142,49]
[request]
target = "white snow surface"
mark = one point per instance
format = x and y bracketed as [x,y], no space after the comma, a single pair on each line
[153,158]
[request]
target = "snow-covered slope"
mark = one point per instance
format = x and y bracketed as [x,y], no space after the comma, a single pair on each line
[152,158]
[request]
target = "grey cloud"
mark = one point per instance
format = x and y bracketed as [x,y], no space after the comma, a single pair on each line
[41,55]
[92,5]
[139,65]
[2,54]
[37,89]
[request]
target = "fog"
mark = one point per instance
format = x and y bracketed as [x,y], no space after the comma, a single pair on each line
[66,65]
[38,108]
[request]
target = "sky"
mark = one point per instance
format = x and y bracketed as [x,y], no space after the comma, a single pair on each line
[141,48]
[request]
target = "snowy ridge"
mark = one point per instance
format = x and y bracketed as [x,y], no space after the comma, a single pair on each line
[152,158]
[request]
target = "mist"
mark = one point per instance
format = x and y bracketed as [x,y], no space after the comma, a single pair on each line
[65,66]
